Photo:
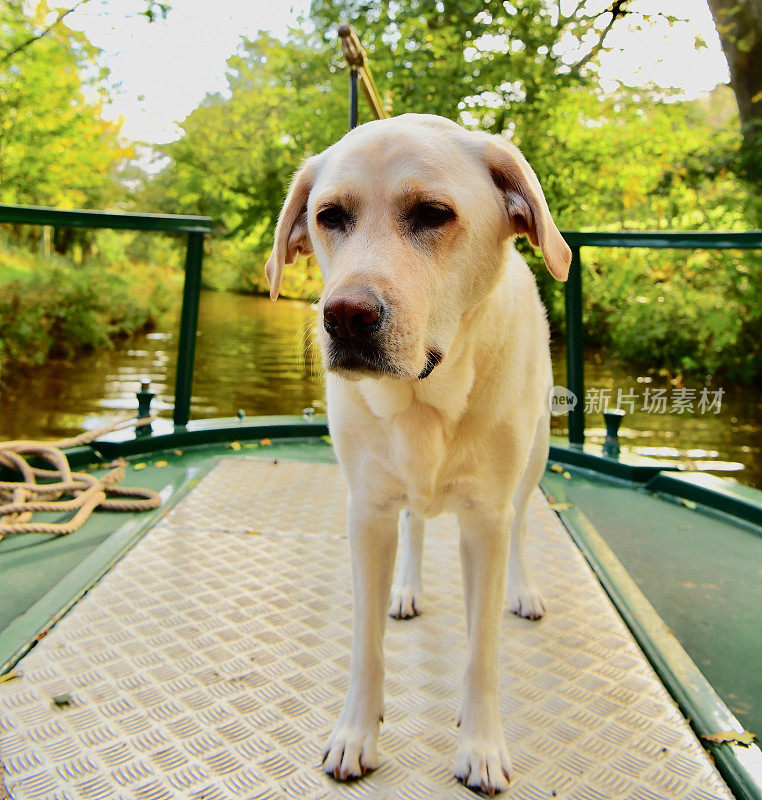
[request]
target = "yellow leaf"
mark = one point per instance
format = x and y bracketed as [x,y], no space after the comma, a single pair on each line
[567,475]
[141,465]
[235,445]
[561,506]
[745,739]
[160,464]
[327,439]
[757,97]
[252,533]
[556,468]
[265,442]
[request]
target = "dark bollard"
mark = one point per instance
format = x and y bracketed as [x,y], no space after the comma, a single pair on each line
[144,406]
[613,420]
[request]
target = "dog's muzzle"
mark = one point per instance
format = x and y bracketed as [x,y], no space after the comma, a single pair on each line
[355,321]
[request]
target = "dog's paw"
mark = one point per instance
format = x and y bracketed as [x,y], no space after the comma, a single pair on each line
[406,602]
[483,765]
[526,601]
[351,752]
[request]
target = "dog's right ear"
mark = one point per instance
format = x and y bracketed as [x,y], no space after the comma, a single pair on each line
[291,234]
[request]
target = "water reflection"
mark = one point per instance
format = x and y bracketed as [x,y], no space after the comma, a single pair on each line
[251,354]
[728,443]
[261,357]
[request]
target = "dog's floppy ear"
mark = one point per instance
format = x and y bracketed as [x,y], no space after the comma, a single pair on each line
[291,234]
[525,203]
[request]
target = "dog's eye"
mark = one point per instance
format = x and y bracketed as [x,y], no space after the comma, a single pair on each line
[431,215]
[333,217]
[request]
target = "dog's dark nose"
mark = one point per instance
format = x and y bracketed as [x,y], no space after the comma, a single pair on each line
[352,315]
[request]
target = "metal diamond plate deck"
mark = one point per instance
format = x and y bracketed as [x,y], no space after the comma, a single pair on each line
[212,661]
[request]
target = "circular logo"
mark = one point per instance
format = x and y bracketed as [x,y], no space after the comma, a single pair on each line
[561,400]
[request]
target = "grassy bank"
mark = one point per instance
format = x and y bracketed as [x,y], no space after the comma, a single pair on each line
[53,308]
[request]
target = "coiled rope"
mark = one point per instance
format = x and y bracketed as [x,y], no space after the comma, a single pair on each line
[20,500]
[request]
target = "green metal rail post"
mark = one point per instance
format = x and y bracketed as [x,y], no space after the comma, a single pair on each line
[186,345]
[575,359]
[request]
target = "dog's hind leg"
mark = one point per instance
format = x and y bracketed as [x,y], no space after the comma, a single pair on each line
[524,598]
[406,592]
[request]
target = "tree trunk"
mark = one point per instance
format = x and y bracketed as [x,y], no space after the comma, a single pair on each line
[739,24]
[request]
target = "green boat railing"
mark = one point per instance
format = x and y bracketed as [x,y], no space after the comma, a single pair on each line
[658,240]
[194,227]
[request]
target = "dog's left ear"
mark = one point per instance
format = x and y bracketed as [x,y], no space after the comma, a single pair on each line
[525,203]
[292,234]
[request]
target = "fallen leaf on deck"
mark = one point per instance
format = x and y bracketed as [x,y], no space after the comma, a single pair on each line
[327,439]
[141,465]
[265,442]
[561,506]
[178,452]
[160,464]
[556,468]
[567,475]
[252,533]
[62,700]
[688,503]
[745,739]
[234,446]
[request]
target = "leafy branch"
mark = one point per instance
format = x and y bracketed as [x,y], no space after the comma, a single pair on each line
[62,14]
[155,9]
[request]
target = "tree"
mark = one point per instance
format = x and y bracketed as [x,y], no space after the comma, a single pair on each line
[239,150]
[739,25]
[55,146]
[34,30]
[484,57]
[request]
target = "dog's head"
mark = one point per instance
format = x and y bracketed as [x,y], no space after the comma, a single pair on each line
[409,219]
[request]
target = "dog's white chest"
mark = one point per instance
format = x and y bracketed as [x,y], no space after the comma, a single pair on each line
[420,459]
[419,438]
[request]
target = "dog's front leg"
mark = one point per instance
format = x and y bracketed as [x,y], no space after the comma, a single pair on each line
[352,749]
[482,761]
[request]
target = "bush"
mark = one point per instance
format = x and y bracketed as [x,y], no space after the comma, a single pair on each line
[692,312]
[54,309]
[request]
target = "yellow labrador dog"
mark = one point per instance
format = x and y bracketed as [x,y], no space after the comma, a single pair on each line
[436,348]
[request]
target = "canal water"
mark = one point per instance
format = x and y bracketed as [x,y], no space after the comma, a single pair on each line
[261,358]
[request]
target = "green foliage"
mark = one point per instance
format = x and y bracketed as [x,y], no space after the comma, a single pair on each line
[240,149]
[50,307]
[55,147]
[687,311]
[621,160]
